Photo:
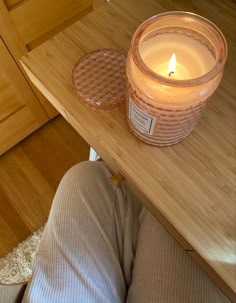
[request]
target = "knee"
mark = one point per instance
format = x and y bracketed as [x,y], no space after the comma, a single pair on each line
[85,172]
[79,181]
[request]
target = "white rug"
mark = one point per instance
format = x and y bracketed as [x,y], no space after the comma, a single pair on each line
[16,266]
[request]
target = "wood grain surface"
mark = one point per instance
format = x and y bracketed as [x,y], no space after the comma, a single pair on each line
[20,111]
[16,48]
[189,187]
[11,3]
[35,18]
[29,175]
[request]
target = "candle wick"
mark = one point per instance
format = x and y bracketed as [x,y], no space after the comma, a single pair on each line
[171,73]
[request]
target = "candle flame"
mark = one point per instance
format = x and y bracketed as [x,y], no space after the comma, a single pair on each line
[172,65]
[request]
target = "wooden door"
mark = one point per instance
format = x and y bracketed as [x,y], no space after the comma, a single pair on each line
[20,110]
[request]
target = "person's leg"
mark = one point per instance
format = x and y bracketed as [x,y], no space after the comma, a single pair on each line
[87,249]
[164,273]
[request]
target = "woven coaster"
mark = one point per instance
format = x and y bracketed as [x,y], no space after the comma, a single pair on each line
[99,78]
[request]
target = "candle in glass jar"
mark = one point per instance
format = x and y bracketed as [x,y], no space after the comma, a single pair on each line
[162,105]
[193,59]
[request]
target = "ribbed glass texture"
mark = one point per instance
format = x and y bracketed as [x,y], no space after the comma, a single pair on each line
[163,108]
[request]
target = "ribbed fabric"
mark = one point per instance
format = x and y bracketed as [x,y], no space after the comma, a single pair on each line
[82,256]
[164,273]
[88,248]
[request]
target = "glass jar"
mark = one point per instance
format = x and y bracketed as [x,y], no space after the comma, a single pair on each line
[164,103]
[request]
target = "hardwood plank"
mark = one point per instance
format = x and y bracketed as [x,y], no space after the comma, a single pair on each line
[8,238]
[52,168]
[29,175]
[16,127]
[15,219]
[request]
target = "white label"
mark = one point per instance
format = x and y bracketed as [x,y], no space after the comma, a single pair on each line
[140,119]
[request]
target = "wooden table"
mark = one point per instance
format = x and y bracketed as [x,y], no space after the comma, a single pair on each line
[190,187]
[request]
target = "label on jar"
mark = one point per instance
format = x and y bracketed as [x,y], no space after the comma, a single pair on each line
[141,120]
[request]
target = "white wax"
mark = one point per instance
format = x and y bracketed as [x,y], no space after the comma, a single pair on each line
[193,58]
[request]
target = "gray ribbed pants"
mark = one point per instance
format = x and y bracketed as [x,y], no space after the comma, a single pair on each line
[99,245]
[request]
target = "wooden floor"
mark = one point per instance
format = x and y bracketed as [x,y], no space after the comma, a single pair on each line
[29,175]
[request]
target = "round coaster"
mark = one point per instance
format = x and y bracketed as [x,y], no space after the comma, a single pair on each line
[99,78]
